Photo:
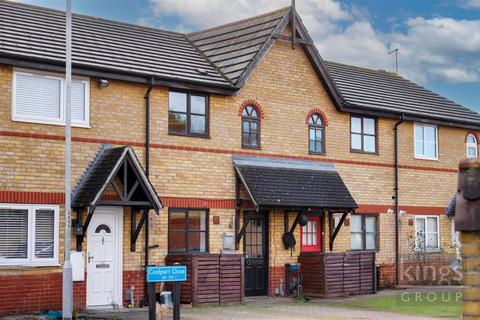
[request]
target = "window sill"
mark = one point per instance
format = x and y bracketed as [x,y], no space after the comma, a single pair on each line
[316,153]
[50,122]
[25,265]
[364,152]
[251,148]
[189,135]
[425,158]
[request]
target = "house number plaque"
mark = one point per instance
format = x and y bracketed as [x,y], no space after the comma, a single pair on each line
[102,265]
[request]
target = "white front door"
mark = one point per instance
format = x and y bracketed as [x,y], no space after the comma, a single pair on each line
[104,257]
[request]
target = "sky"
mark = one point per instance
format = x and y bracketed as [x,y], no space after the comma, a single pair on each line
[438,40]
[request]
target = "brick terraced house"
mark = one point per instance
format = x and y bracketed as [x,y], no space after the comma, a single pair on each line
[236,149]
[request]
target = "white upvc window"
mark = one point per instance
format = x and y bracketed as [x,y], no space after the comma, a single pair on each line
[426,141]
[427,230]
[472,147]
[29,235]
[38,97]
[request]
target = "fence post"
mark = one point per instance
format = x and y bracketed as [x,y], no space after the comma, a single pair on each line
[467,221]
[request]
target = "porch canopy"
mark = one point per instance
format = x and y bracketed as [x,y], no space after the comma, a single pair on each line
[295,185]
[114,178]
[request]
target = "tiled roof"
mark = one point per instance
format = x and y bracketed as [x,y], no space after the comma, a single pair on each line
[293,183]
[221,58]
[39,33]
[387,92]
[233,47]
[102,168]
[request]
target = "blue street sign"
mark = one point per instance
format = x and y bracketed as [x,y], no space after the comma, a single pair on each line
[167,274]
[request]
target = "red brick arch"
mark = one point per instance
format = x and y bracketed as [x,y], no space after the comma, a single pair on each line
[320,113]
[251,102]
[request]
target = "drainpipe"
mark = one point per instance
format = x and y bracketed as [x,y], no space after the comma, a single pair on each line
[397,205]
[147,172]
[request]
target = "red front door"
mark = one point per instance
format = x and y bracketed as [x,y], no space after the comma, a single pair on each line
[311,235]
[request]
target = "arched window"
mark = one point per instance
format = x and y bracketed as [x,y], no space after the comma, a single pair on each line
[316,134]
[250,127]
[472,151]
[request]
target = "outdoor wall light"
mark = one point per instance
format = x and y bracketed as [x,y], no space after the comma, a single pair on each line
[103,83]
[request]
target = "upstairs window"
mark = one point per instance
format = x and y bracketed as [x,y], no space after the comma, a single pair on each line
[39,98]
[363,136]
[316,133]
[187,114]
[250,128]
[472,148]
[187,231]
[426,141]
[28,235]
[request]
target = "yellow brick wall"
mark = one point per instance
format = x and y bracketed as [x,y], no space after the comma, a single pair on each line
[287,88]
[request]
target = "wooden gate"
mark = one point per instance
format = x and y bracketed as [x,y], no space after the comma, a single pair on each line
[337,274]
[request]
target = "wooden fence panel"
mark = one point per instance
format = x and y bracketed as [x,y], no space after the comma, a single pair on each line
[211,278]
[337,274]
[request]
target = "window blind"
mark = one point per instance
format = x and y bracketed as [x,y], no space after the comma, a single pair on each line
[78,101]
[44,233]
[37,96]
[13,233]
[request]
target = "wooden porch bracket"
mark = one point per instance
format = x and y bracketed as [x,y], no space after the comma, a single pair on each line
[80,230]
[337,228]
[135,230]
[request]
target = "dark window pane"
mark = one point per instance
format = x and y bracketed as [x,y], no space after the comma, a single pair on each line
[198,124]
[177,101]
[177,220]
[197,241]
[176,242]
[177,122]
[197,221]
[198,104]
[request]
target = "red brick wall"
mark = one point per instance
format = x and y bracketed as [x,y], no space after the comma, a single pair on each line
[274,276]
[137,279]
[41,292]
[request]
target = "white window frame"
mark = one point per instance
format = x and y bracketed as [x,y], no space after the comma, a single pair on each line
[424,157]
[424,217]
[454,233]
[50,120]
[31,260]
[470,145]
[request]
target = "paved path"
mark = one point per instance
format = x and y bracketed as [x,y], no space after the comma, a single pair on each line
[288,310]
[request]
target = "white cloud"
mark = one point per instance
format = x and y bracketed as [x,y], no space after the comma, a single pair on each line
[471,4]
[438,49]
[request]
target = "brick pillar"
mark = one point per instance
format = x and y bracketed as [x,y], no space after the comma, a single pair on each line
[467,221]
[471,274]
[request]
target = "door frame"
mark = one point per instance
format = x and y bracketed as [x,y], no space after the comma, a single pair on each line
[266,214]
[117,212]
